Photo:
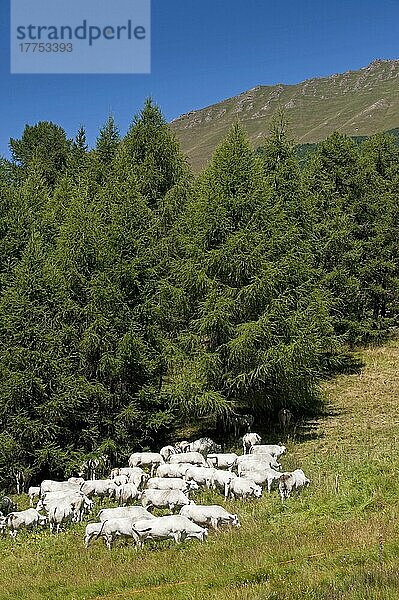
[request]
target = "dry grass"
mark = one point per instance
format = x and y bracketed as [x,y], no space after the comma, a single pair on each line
[323,544]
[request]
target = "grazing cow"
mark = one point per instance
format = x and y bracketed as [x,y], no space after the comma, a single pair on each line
[222,461]
[284,417]
[113,528]
[249,440]
[24,519]
[201,475]
[213,515]
[167,451]
[131,512]
[7,506]
[126,493]
[171,483]
[292,481]
[194,458]
[176,527]
[152,459]
[163,499]
[221,480]
[103,488]
[204,446]
[241,487]
[79,503]
[174,470]
[275,450]
[60,513]
[33,493]
[93,531]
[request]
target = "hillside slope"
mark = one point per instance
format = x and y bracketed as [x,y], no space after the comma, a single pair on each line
[359,102]
[338,540]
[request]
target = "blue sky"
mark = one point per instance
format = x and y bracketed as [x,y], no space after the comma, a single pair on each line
[202,52]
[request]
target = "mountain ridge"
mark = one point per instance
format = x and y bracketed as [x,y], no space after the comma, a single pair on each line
[356,102]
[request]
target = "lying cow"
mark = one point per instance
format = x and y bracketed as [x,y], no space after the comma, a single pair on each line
[24,519]
[292,481]
[164,498]
[249,440]
[176,527]
[194,458]
[212,515]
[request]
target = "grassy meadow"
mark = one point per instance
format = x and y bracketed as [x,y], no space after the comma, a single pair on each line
[339,539]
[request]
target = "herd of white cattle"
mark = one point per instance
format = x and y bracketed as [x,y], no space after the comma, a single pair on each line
[162,480]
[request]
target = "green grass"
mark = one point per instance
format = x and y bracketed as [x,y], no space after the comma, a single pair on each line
[323,544]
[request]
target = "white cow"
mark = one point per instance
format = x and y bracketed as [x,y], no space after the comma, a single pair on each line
[175,470]
[79,503]
[213,515]
[49,485]
[176,527]
[126,493]
[152,459]
[103,488]
[194,458]
[201,475]
[167,451]
[93,531]
[171,483]
[164,498]
[249,440]
[275,450]
[204,446]
[24,519]
[241,487]
[114,528]
[131,512]
[221,480]
[268,476]
[292,481]
[135,475]
[33,493]
[259,461]
[60,513]
[222,461]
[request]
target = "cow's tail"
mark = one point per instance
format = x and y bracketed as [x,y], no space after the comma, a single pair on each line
[101,529]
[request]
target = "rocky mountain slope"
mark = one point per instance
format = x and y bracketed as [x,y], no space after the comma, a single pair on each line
[358,103]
